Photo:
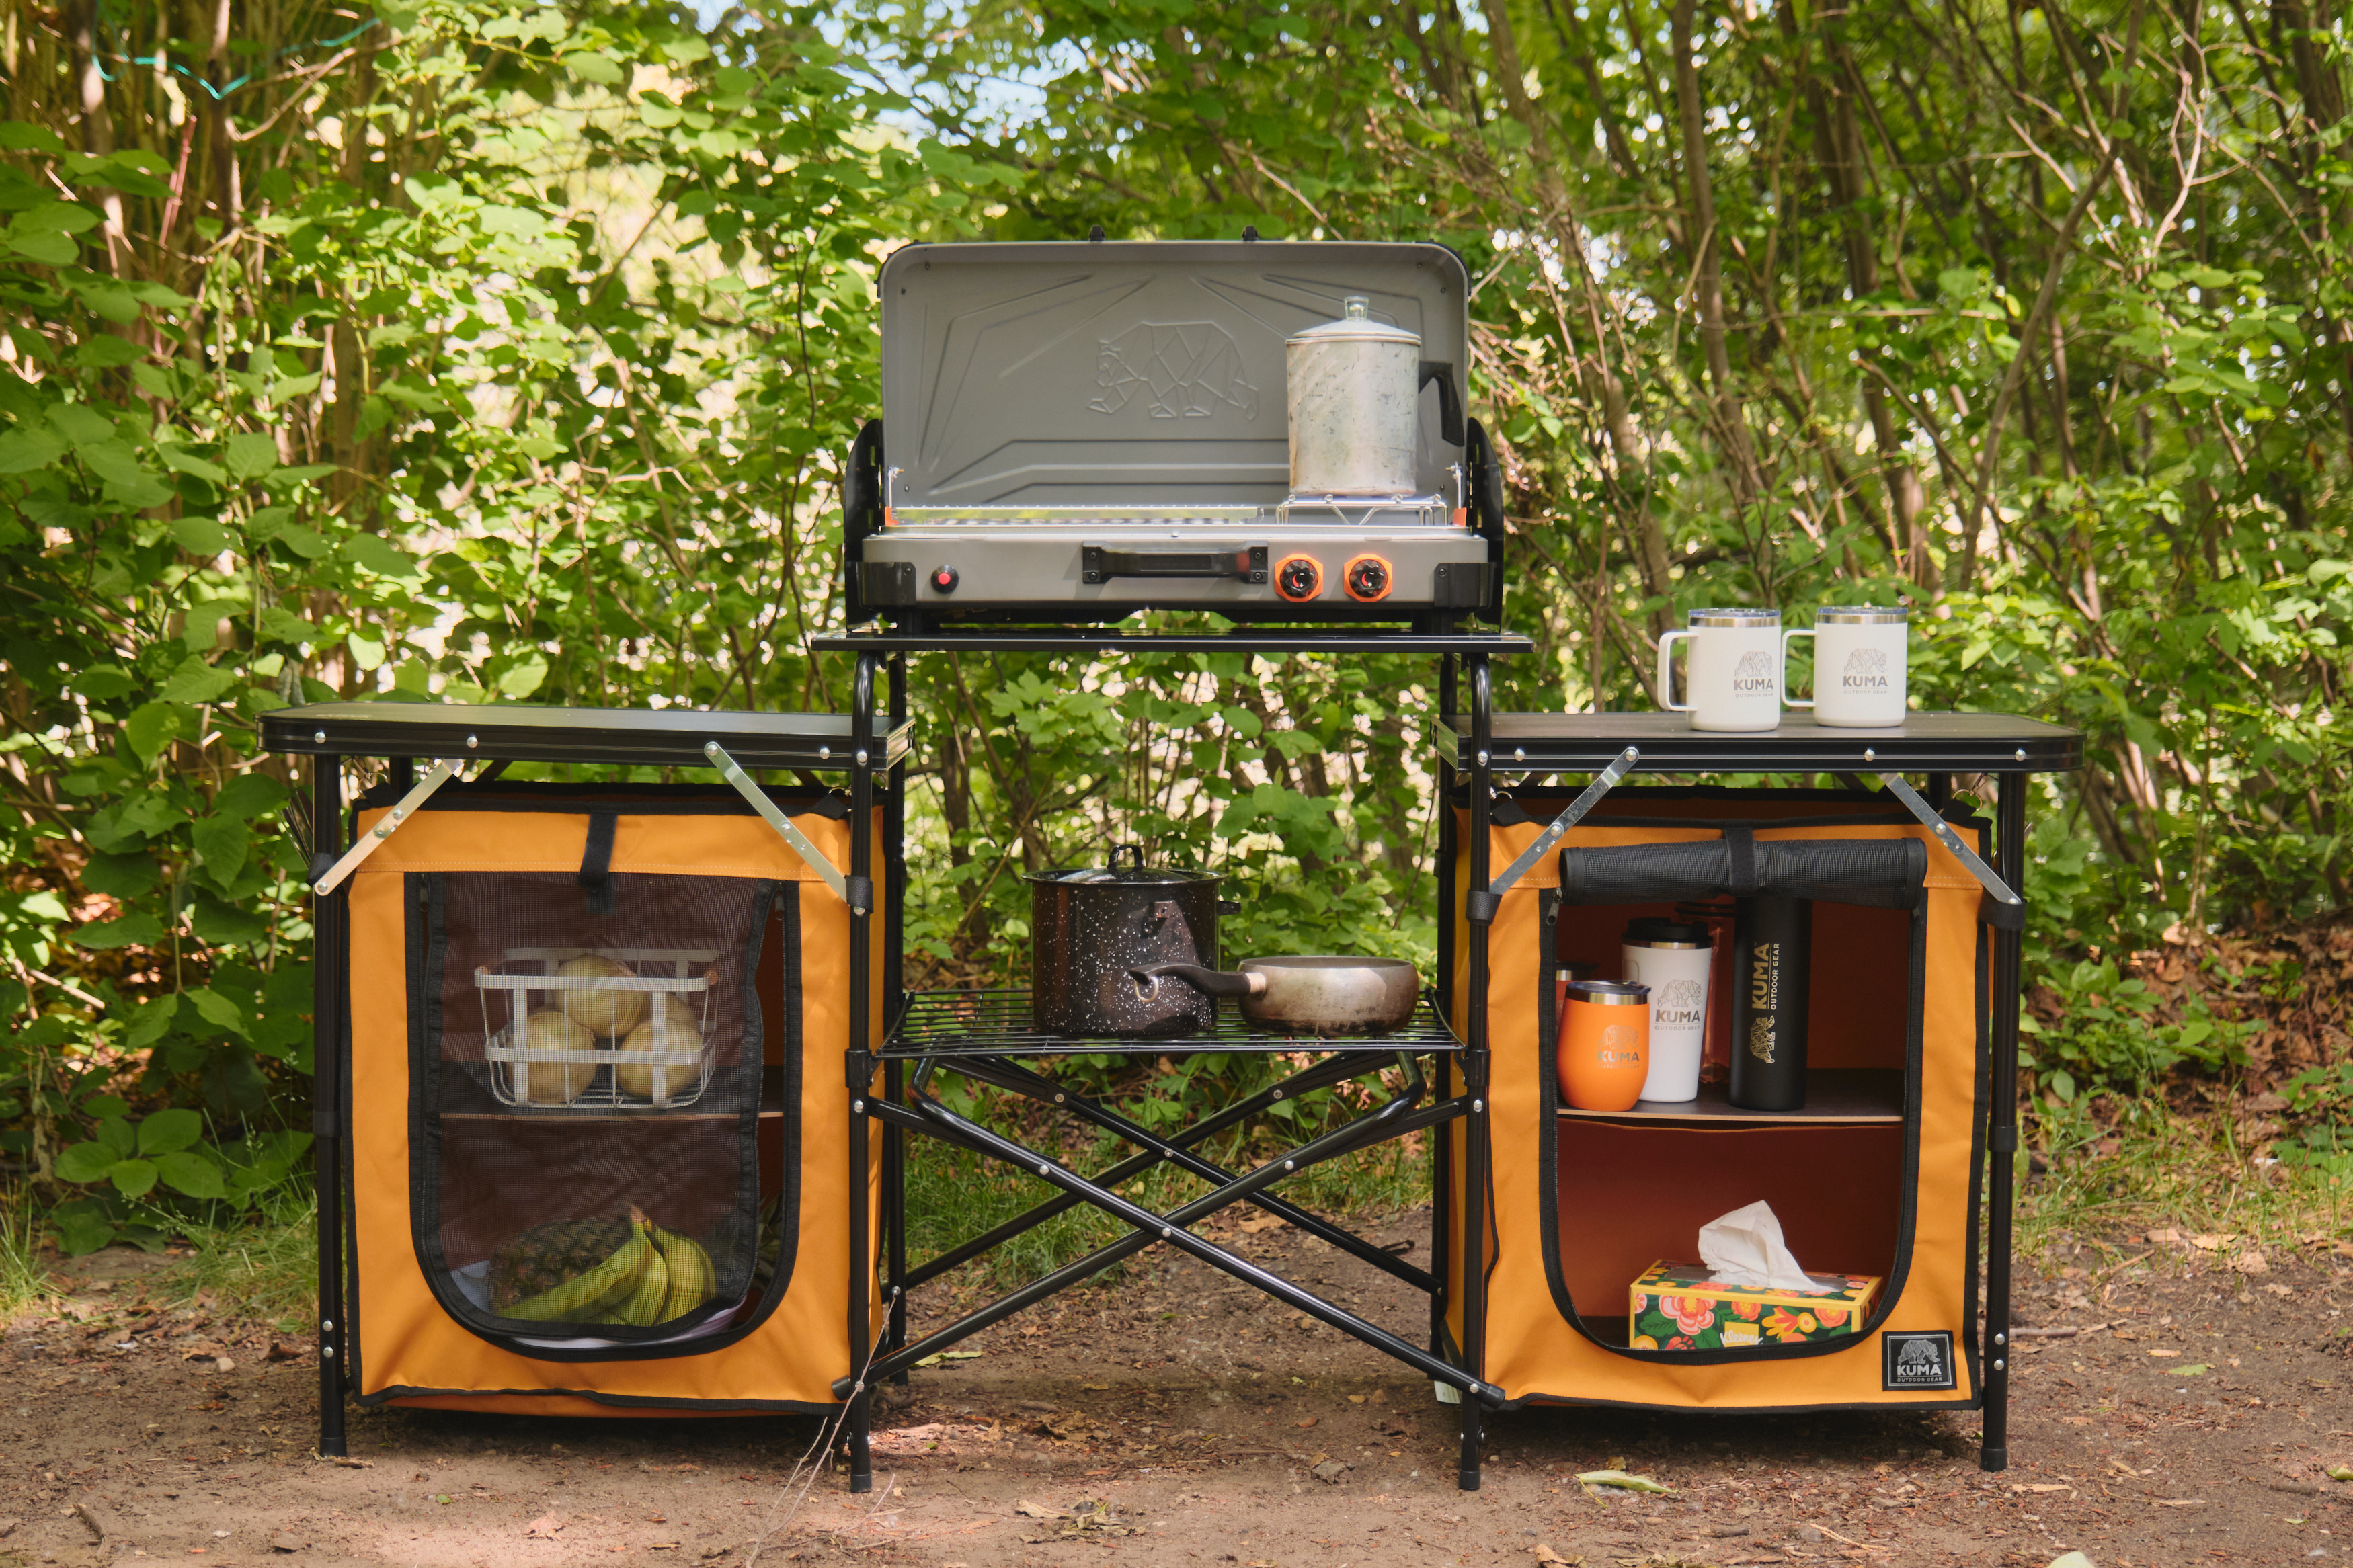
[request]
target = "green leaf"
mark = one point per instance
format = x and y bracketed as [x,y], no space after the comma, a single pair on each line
[180,461]
[102,682]
[151,1023]
[589,64]
[18,136]
[155,725]
[191,1175]
[133,1178]
[27,447]
[46,247]
[197,682]
[250,454]
[250,795]
[200,535]
[86,1161]
[139,930]
[104,350]
[114,1131]
[222,844]
[367,652]
[230,924]
[82,1229]
[216,1010]
[82,424]
[370,551]
[169,1131]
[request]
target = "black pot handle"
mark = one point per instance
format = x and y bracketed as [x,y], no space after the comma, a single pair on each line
[1135,858]
[1209,982]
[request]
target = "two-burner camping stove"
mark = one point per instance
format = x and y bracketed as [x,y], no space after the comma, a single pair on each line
[1077,432]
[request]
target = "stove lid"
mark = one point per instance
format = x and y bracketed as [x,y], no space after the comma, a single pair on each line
[1134,374]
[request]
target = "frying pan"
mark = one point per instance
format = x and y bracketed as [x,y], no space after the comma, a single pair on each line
[1322,995]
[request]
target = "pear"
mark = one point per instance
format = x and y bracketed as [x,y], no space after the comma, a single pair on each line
[679,1035]
[556,1083]
[609,1012]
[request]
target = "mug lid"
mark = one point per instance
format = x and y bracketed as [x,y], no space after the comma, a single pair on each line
[1657,931]
[1736,617]
[1861,616]
[1356,326]
[1610,992]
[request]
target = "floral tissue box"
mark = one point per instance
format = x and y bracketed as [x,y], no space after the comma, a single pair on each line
[1679,1306]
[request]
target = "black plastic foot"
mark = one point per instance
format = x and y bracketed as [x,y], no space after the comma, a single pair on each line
[1473,1440]
[1993,1458]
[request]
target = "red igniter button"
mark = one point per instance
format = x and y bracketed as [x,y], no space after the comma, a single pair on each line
[944,579]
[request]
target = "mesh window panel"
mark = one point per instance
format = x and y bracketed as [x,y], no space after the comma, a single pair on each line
[1883,873]
[588,1068]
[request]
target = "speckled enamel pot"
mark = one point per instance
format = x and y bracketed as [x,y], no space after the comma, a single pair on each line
[1090,926]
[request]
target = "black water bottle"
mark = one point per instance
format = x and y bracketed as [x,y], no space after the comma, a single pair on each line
[1772,954]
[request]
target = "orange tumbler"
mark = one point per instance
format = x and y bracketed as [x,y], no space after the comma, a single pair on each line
[1605,1043]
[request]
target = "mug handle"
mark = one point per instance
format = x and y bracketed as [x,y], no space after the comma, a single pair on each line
[1667,675]
[1788,700]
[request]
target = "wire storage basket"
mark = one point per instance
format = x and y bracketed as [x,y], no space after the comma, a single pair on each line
[599,1029]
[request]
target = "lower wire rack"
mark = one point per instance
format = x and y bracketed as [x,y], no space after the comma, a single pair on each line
[996,1024]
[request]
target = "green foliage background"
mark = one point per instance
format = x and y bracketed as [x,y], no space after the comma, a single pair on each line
[482,351]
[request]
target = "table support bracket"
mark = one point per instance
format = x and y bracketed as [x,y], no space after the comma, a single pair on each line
[1934,821]
[1482,907]
[757,799]
[327,881]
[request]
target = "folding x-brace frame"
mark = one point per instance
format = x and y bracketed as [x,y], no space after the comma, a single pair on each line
[923,1112]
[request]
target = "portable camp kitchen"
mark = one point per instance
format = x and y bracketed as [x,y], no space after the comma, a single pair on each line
[1073,433]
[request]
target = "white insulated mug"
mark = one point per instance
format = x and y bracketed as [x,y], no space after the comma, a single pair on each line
[1674,959]
[1733,675]
[1859,666]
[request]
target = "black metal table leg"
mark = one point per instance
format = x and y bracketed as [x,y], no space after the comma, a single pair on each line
[2001,1139]
[328,961]
[1474,1238]
[894,946]
[857,1416]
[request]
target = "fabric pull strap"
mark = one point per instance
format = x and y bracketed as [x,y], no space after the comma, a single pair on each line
[597,862]
[1740,855]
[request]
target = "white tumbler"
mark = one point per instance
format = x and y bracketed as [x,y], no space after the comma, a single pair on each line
[1673,959]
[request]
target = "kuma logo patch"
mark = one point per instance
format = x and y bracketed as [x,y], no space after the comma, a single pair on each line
[1917,1360]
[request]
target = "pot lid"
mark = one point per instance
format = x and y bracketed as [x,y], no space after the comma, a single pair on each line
[1356,326]
[1132,874]
[1655,931]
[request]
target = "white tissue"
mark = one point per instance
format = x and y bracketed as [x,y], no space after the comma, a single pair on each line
[1745,1249]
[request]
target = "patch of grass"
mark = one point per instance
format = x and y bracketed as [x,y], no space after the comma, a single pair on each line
[2154,1168]
[260,1266]
[23,1279]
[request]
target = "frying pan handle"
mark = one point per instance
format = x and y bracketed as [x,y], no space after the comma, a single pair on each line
[1209,982]
[1134,852]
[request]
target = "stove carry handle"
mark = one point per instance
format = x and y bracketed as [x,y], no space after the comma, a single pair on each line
[1102,563]
[1450,397]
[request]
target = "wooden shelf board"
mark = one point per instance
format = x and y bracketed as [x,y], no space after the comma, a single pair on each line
[1842,1094]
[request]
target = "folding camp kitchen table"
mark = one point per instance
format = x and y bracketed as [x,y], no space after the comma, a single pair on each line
[679,822]
[1893,1145]
[987,1035]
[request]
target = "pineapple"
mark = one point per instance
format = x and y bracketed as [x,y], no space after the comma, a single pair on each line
[545,1256]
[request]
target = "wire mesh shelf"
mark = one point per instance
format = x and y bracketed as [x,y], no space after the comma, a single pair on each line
[996,1024]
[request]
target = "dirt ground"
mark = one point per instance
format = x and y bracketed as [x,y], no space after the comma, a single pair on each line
[2190,1416]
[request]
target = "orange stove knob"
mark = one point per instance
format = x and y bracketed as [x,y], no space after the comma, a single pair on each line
[1369,578]
[1298,578]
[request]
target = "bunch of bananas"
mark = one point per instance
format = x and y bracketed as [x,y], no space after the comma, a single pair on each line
[653,1276]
